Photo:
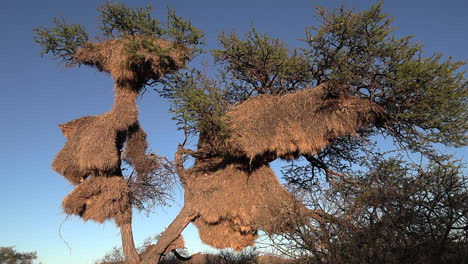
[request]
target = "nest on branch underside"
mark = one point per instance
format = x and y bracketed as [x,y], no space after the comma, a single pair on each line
[105,196]
[93,148]
[94,142]
[234,192]
[99,199]
[136,152]
[233,202]
[304,122]
[133,59]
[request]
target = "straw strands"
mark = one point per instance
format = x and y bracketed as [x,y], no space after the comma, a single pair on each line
[234,202]
[303,122]
[235,193]
[99,199]
[134,59]
[94,142]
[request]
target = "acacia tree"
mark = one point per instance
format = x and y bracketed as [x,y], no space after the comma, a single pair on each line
[321,103]
[385,209]
[264,106]
[135,49]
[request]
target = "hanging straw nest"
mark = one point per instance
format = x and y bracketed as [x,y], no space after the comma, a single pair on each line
[94,142]
[134,59]
[236,193]
[232,203]
[100,199]
[303,122]
[231,192]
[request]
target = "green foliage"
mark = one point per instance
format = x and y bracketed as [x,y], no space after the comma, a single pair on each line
[182,31]
[118,21]
[8,255]
[424,97]
[136,48]
[197,104]
[260,64]
[62,40]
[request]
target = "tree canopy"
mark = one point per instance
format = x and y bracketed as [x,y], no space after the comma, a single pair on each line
[323,106]
[420,99]
[117,21]
[9,255]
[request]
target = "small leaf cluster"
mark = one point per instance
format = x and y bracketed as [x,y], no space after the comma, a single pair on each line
[259,64]
[118,21]
[62,40]
[9,255]
[197,103]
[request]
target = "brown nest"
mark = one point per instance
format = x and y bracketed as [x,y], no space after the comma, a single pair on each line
[134,59]
[100,199]
[290,125]
[94,142]
[234,202]
[236,193]
[231,192]
[136,151]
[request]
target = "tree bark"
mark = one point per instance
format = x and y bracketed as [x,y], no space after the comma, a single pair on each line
[168,236]
[130,252]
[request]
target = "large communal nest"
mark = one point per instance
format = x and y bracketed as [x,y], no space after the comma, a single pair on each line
[304,122]
[94,142]
[235,193]
[134,59]
[231,192]
[100,199]
[234,202]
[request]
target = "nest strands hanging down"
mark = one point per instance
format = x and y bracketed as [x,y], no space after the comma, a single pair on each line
[234,202]
[94,142]
[231,192]
[136,152]
[235,193]
[99,199]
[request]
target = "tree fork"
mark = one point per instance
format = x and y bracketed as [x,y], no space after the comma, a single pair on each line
[171,233]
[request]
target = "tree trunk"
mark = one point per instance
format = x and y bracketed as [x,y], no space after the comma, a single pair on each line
[130,252]
[168,236]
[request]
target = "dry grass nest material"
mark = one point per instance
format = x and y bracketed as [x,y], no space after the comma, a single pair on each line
[100,199]
[233,203]
[237,193]
[93,142]
[134,58]
[136,151]
[303,122]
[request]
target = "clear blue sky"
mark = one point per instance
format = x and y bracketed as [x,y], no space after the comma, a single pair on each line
[38,93]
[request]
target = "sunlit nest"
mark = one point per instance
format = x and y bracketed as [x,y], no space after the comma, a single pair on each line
[94,142]
[233,203]
[304,122]
[100,199]
[134,59]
